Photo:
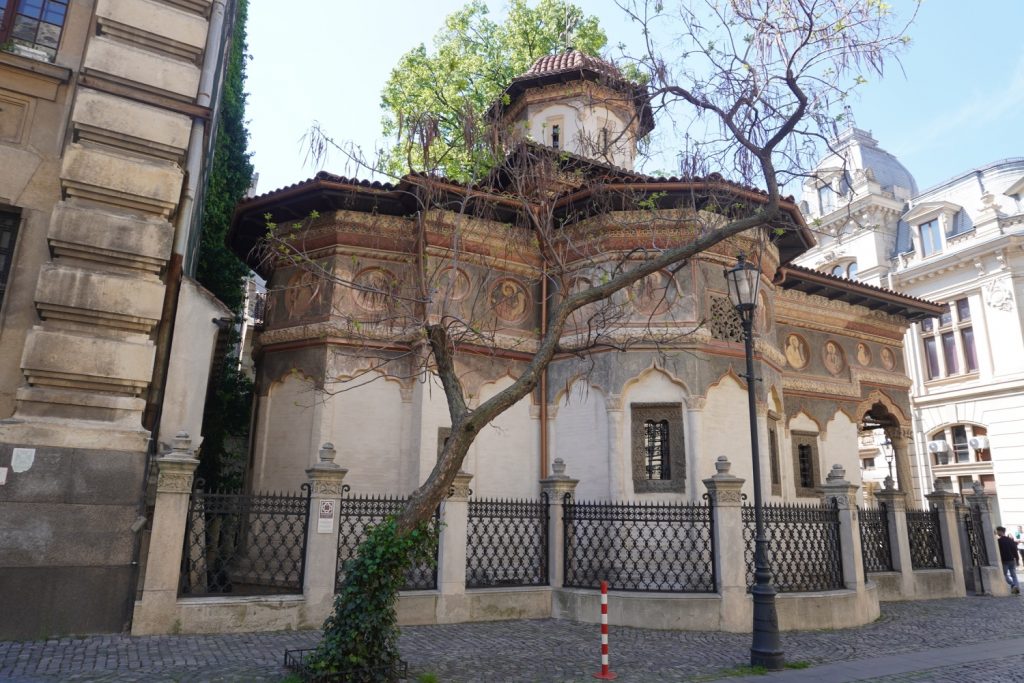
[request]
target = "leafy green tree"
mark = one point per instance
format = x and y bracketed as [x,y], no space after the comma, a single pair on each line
[229,398]
[437,100]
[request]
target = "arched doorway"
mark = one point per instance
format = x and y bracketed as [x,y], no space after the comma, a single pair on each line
[882,421]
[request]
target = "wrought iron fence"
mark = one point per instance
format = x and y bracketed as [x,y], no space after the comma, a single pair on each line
[245,544]
[925,539]
[639,547]
[972,527]
[356,515]
[875,546]
[803,546]
[507,543]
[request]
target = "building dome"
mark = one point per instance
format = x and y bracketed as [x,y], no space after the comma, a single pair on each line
[572,60]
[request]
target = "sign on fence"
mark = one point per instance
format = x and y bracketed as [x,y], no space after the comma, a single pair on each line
[325,520]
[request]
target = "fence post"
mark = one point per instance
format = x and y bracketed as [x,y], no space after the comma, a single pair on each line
[944,501]
[899,536]
[452,607]
[556,486]
[155,612]
[727,544]
[993,583]
[326,479]
[843,494]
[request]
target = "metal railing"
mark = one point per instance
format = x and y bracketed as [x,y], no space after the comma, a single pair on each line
[245,544]
[971,516]
[925,539]
[803,546]
[507,543]
[639,547]
[356,515]
[875,545]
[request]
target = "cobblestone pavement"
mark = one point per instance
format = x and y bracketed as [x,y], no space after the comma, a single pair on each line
[558,651]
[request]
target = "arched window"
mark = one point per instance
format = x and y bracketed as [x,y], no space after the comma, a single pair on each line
[967,443]
[837,271]
[658,457]
[851,271]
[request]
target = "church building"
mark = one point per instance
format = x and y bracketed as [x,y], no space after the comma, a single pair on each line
[647,389]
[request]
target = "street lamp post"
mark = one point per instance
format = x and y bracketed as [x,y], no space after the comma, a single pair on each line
[766,648]
[887,451]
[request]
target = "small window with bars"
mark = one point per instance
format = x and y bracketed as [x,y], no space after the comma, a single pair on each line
[806,470]
[9,221]
[657,447]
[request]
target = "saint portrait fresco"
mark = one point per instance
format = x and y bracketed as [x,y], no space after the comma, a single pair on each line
[654,294]
[509,300]
[863,354]
[796,351]
[452,284]
[374,288]
[833,357]
[888,358]
[299,292]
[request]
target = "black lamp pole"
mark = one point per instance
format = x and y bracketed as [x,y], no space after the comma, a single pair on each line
[888,451]
[766,648]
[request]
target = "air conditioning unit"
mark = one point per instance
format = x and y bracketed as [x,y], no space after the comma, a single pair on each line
[938,446]
[979,443]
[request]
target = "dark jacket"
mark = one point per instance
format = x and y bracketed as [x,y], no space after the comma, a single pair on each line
[1007,549]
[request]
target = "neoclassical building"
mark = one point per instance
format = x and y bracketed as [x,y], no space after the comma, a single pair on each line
[641,416]
[958,243]
[106,118]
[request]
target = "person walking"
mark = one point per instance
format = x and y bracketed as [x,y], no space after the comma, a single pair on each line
[1008,556]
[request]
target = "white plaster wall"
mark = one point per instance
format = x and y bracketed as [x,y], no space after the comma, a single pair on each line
[725,430]
[839,445]
[504,459]
[367,427]
[582,120]
[580,437]
[285,444]
[432,408]
[652,386]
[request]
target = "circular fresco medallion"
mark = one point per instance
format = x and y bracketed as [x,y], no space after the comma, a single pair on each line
[374,288]
[654,294]
[832,355]
[888,358]
[863,354]
[509,300]
[299,292]
[796,352]
[452,284]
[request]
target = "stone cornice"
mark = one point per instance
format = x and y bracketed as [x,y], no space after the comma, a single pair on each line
[791,308]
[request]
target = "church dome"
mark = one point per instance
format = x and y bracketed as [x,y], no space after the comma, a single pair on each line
[572,60]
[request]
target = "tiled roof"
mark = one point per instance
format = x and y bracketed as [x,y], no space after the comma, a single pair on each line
[573,60]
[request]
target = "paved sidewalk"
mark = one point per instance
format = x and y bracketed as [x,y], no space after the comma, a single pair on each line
[974,639]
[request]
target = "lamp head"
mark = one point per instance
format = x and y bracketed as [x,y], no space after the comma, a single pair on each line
[743,280]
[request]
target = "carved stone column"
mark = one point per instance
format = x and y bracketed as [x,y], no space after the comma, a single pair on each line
[155,612]
[992,581]
[557,487]
[326,480]
[895,502]
[727,544]
[451,572]
[944,501]
[841,493]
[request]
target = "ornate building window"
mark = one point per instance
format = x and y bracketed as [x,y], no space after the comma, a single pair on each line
[845,270]
[967,443]
[33,24]
[9,221]
[931,237]
[773,456]
[806,471]
[724,322]
[948,342]
[659,461]
[826,199]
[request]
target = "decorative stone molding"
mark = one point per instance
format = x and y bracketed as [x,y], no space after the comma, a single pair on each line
[327,477]
[177,468]
[559,484]
[844,390]
[998,296]
[459,490]
[724,488]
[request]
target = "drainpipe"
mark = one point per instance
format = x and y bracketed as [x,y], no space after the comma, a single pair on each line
[544,377]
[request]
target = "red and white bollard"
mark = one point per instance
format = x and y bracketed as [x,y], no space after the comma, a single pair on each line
[605,673]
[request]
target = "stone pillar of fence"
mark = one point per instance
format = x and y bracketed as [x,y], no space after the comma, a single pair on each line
[730,565]
[326,480]
[556,487]
[992,574]
[944,500]
[841,493]
[899,537]
[155,612]
[451,575]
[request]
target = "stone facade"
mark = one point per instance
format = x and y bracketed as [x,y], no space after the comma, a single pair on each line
[102,149]
[956,243]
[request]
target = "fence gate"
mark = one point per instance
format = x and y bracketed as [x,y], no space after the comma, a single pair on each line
[974,550]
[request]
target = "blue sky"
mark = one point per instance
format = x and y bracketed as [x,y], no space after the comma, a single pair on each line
[957,102]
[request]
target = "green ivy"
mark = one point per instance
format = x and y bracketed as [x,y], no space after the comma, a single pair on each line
[360,639]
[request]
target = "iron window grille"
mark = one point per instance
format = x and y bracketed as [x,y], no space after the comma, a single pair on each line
[507,543]
[805,463]
[658,454]
[803,546]
[639,547]
[245,544]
